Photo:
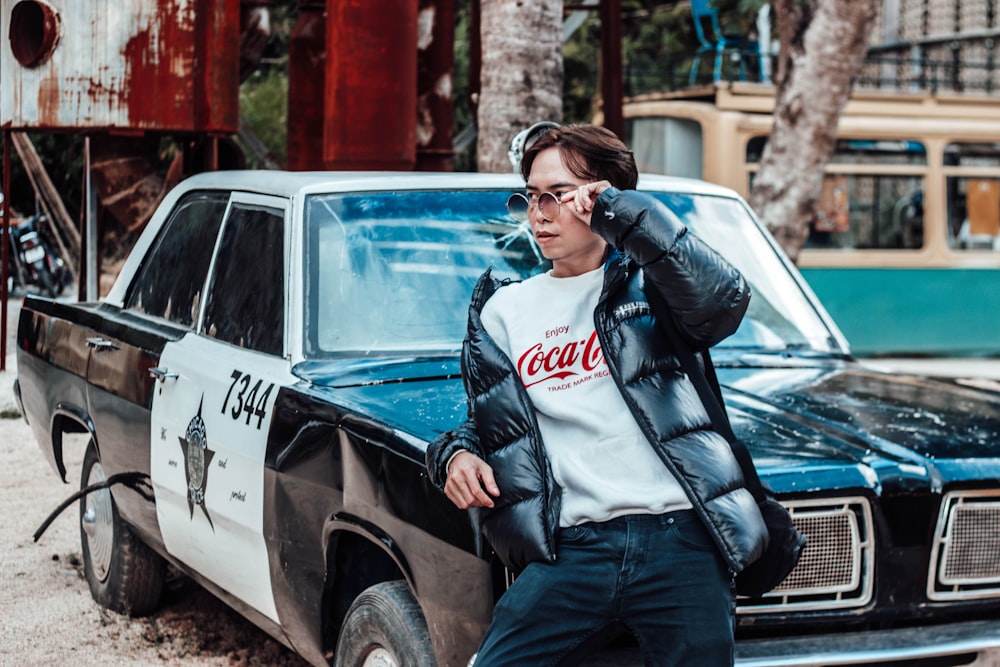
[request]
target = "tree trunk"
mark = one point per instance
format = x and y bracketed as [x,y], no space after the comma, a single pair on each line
[823,44]
[521,75]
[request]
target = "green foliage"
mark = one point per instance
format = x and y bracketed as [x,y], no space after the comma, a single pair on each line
[581,71]
[264,109]
[658,40]
[264,95]
[657,32]
[462,109]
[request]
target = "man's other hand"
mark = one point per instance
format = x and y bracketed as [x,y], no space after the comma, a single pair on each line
[470,482]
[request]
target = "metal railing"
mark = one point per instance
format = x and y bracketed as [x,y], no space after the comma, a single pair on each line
[924,74]
[931,65]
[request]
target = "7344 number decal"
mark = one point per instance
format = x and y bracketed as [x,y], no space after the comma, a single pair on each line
[249,400]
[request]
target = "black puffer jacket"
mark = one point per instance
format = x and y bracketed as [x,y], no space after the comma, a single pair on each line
[707,298]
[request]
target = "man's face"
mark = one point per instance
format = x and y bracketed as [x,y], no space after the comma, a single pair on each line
[565,239]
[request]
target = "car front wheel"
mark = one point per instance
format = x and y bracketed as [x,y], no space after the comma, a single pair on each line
[385,627]
[124,574]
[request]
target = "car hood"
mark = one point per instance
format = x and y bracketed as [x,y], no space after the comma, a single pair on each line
[418,396]
[902,429]
[808,424]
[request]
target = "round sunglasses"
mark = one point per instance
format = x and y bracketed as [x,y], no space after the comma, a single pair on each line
[519,204]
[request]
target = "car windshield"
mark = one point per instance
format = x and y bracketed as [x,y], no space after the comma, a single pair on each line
[393,272]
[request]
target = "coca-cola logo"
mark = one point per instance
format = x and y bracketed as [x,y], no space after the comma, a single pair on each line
[579,357]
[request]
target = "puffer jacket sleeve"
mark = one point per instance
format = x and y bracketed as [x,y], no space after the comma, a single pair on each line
[445,446]
[707,296]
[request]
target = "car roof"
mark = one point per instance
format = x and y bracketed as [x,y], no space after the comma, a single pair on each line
[291,183]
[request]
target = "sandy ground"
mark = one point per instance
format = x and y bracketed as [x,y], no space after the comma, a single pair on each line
[47,616]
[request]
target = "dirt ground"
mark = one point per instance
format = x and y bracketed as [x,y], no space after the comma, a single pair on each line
[47,616]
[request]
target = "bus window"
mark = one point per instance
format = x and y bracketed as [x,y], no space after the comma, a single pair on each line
[671,146]
[973,187]
[872,196]
[972,155]
[869,212]
[884,211]
[755,149]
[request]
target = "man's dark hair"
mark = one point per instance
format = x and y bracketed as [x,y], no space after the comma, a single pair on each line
[590,152]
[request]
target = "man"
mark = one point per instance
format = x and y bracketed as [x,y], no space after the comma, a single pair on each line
[602,481]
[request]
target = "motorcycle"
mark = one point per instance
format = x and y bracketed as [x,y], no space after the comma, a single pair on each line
[33,263]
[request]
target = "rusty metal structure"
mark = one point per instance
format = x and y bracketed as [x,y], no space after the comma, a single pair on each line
[370,87]
[145,65]
[378,90]
[306,83]
[126,74]
[123,72]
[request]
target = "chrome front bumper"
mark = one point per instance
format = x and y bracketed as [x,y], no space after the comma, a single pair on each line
[874,646]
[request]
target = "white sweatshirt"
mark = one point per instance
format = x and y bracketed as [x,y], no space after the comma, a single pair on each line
[599,457]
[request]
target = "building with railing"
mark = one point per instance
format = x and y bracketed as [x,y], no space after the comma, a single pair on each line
[914,45]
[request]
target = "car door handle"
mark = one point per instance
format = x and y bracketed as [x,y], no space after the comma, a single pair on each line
[162,374]
[99,344]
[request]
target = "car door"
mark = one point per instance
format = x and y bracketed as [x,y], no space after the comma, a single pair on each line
[123,342]
[212,408]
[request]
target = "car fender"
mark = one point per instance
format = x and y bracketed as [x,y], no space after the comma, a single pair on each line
[343,521]
[68,418]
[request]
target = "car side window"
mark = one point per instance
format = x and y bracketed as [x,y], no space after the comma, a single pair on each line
[170,282]
[246,299]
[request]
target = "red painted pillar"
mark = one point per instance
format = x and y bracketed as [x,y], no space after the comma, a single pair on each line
[306,84]
[371,84]
[611,66]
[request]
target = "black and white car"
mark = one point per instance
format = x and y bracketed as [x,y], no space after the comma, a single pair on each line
[260,385]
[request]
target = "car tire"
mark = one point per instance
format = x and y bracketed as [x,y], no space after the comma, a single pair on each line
[385,627]
[124,574]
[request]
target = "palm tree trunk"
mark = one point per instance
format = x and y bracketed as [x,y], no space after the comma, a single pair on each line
[521,75]
[823,45]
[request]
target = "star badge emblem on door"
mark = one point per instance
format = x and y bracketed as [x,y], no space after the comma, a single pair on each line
[197,461]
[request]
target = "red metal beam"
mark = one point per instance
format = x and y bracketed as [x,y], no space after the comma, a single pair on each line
[371,84]
[306,86]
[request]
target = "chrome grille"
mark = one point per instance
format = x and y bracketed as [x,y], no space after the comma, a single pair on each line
[837,565]
[965,556]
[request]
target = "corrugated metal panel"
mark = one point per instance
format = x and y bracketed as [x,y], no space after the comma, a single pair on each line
[141,65]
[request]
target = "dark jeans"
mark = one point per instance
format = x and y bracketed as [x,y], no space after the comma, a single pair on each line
[659,576]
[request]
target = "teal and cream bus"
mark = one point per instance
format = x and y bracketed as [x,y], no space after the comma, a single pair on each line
[904,246]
